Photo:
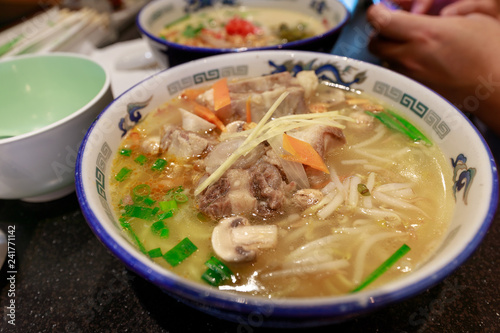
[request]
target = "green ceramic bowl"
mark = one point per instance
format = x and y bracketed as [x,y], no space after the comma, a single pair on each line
[48,103]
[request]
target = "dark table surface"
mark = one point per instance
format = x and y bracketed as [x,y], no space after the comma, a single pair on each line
[67,281]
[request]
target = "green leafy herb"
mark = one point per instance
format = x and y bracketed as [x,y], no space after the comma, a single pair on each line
[383,267]
[123,174]
[180,252]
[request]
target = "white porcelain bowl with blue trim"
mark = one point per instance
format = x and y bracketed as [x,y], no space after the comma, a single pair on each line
[156,14]
[461,143]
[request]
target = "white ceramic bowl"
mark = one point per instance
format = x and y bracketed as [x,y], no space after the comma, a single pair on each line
[444,124]
[156,14]
[48,103]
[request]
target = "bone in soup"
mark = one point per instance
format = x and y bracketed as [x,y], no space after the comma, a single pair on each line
[280,186]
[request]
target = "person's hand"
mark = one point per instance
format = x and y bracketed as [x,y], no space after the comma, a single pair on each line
[450,7]
[464,7]
[457,56]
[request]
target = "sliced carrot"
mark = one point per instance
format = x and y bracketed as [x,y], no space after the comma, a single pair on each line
[207,114]
[249,109]
[303,152]
[221,94]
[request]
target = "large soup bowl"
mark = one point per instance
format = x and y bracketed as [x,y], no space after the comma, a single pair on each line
[476,197]
[156,14]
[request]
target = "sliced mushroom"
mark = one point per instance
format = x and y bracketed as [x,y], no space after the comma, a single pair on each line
[234,240]
[307,197]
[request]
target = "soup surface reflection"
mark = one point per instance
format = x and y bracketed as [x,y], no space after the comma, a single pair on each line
[279,186]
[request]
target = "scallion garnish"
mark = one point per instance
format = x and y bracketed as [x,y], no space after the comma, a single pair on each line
[180,19]
[180,252]
[159,164]
[157,227]
[383,267]
[180,198]
[217,272]
[155,253]
[126,152]
[164,233]
[140,192]
[399,124]
[149,202]
[191,32]
[140,212]
[169,205]
[122,174]
[126,225]
[141,159]
[165,215]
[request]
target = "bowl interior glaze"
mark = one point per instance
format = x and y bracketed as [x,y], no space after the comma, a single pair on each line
[38,91]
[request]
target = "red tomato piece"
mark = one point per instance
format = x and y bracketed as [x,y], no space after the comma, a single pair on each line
[239,26]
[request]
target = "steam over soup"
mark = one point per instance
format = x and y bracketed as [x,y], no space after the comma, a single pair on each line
[233,27]
[279,186]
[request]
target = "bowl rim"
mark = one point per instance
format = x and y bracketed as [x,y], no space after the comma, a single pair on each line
[208,50]
[105,87]
[305,308]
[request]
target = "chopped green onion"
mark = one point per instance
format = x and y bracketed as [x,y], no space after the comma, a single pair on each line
[149,202]
[159,164]
[191,32]
[157,227]
[122,174]
[169,205]
[180,19]
[411,128]
[140,192]
[126,152]
[180,198]
[128,227]
[180,252]
[399,124]
[211,277]
[164,233]
[140,212]
[155,253]
[217,272]
[165,215]
[363,190]
[141,159]
[383,267]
